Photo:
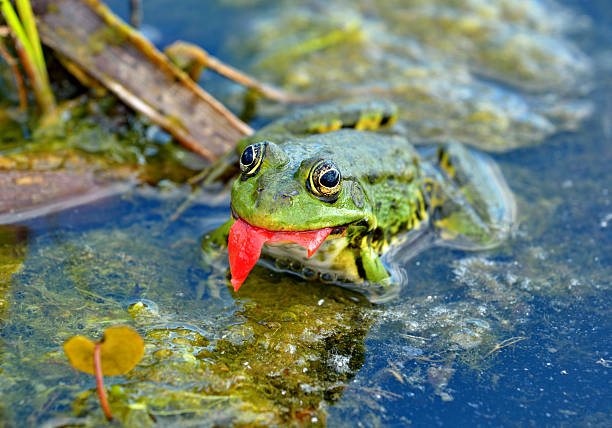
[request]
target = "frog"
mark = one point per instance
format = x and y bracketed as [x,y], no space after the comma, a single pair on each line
[328,193]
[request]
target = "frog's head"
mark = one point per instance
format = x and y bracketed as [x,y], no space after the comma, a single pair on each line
[277,193]
[304,197]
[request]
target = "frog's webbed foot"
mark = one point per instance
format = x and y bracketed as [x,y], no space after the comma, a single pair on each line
[374,270]
[382,291]
[473,208]
[214,243]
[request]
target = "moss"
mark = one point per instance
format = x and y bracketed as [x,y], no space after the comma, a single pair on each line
[462,51]
[273,358]
[98,135]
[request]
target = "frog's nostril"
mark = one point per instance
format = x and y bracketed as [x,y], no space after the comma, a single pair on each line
[286,195]
[260,189]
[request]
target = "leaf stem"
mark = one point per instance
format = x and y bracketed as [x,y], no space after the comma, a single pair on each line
[100,382]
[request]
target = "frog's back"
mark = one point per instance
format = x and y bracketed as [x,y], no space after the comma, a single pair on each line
[458,191]
[358,154]
[361,116]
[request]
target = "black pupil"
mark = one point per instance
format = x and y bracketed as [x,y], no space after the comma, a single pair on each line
[247,156]
[330,178]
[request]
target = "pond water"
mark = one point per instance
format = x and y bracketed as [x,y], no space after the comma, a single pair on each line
[515,336]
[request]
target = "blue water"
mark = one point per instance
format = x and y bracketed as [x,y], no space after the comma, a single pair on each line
[561,374]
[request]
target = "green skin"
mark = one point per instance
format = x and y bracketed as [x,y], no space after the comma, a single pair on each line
[387,192]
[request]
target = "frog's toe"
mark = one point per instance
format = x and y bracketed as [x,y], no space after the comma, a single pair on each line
[377,292]
[383,291]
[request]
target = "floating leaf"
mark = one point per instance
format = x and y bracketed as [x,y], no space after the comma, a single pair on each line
[80,351]
[121,349]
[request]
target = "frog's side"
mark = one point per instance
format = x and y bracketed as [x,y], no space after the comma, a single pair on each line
[305,172]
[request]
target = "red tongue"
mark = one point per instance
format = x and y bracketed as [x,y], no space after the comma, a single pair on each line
[245,242]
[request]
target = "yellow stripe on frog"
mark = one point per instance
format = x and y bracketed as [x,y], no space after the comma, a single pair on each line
[322,128]
[369,123]
[445,163]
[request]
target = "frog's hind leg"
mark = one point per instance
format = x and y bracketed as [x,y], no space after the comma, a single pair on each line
[366,115]
[473,208]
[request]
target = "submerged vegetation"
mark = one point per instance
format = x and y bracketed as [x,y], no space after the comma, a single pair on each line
[496,75]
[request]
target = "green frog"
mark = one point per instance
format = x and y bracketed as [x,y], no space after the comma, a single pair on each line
[326,193]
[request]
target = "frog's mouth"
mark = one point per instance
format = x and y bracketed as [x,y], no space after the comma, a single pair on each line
[245,242]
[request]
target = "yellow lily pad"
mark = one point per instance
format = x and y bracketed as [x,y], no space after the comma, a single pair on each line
[120,350]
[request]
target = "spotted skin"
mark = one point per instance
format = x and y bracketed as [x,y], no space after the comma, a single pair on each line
[388,191]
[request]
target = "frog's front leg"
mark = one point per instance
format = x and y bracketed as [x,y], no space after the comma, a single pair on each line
[375,271]
[214,241]
[214,261]
[380,287]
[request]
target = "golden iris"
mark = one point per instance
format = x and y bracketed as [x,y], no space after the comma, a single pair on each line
[325,180]
[251,159]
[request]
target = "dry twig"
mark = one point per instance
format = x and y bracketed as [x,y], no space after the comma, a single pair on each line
[504,344]
[4,53]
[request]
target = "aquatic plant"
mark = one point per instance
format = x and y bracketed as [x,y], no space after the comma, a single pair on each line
[120,349]
[29,49]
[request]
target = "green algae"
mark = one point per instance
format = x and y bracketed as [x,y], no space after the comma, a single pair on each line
[440,61]
[264,359]
[98,135]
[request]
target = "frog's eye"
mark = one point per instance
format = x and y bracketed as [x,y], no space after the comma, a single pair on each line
[251,158]
[325,180]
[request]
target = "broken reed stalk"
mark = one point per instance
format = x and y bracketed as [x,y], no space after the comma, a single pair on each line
[193,59]
[4,54]
[201,59]
[505,343]
[253,84]
[100,382]
[27,44]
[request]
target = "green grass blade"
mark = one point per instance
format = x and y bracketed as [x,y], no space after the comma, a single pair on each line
[27,19]
[32,61]
[13,21]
